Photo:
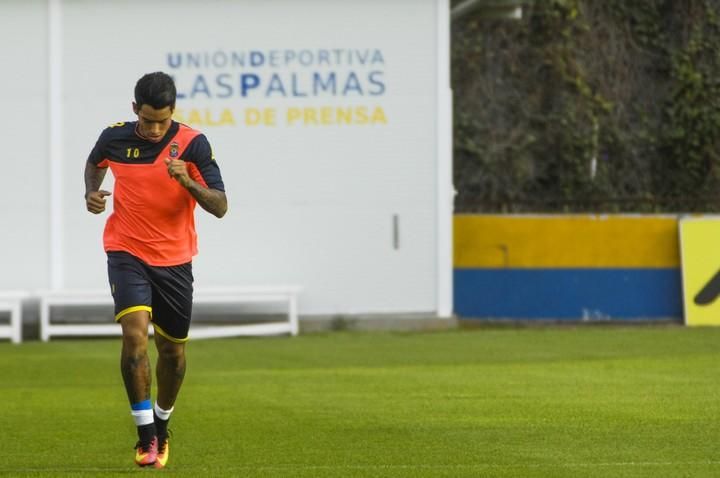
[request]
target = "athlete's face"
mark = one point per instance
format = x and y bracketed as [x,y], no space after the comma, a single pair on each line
[152,123]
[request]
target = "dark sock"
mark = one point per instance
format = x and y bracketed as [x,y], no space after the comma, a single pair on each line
[160,425]
[146,433]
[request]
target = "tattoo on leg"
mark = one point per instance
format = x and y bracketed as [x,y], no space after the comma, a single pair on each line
[180,371]
[170,373]
[136,375]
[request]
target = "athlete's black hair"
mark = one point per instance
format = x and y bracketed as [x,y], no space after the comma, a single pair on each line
[155,89]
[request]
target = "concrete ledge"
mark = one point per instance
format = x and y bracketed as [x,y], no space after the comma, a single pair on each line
[376,322]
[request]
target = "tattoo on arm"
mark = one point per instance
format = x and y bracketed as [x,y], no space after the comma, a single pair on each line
[93,177]
[212,200]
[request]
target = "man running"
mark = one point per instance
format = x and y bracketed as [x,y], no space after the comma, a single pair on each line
[162,169]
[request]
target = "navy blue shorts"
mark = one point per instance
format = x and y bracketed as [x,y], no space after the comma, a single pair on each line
[165,292]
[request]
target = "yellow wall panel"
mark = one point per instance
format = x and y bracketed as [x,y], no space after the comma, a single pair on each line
[535,241]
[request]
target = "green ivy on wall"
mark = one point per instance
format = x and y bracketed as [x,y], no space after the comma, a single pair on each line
[589,106]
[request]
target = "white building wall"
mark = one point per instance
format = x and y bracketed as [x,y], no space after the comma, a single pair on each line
[24,198]
[311,202]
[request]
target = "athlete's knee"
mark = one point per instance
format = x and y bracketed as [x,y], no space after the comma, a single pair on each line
[135,329]
[170,350]
[135,340]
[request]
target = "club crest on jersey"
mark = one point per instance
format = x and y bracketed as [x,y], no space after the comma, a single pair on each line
[174,150]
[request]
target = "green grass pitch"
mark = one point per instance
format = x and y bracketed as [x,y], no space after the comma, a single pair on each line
[534,402]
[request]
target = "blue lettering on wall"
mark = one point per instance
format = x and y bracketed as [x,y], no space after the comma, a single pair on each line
[296,92]
[174,60]
[330,85]
[378,86]
[278,73]
[276,85]
[352,84]
[200,86]
[248,82]
[224,81]
[257,58]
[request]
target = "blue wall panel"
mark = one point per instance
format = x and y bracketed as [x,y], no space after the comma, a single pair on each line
[568,293]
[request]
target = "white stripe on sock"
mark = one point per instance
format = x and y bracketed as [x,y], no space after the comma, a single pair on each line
[163,414]
[142,417]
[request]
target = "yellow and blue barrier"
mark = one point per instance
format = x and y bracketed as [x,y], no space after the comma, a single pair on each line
[567,267]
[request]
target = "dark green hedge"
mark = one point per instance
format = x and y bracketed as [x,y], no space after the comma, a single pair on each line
[587,105]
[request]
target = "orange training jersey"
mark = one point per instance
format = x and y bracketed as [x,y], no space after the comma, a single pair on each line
[153,215]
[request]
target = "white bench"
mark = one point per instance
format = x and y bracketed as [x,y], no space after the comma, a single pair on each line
[11,301]
[284,295]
